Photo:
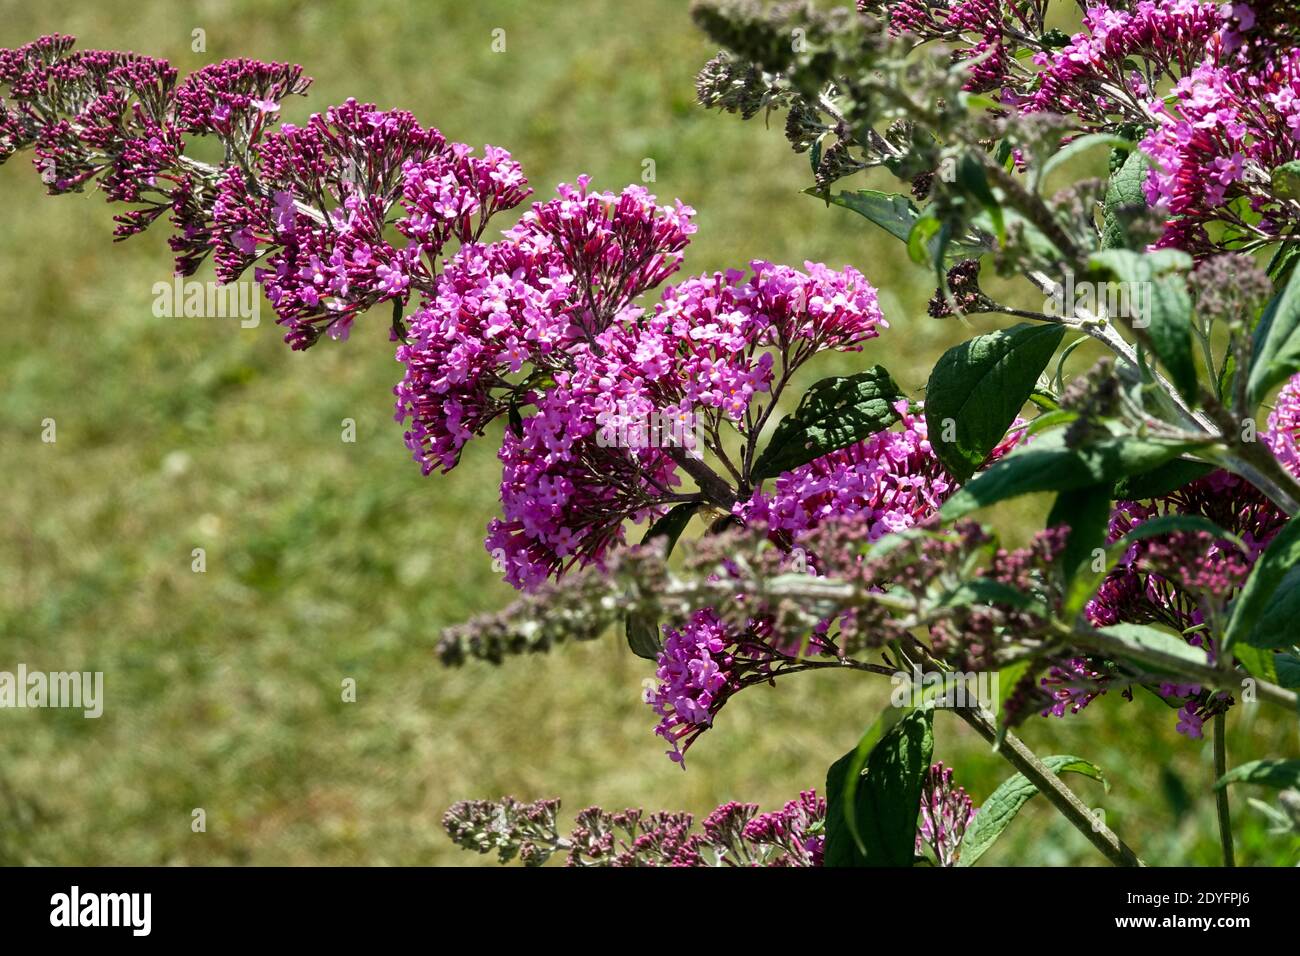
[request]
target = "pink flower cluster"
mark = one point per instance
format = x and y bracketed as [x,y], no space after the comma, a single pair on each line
[887,483]
[311,204]
[792,830]
[236,99]
[981,26]
[1226,130]
[1216,88]
[892,480]
[546,291]
[1097,75]
[946,812]
[695,675]
[89,113]
[733,834]
[704,663]
[706,352]
[542,326]
[1215,137]
[1076,682]
[327,193]
[1282,434]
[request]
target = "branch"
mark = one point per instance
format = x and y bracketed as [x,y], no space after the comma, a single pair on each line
[1172,664]
[714,487]
[1221,793]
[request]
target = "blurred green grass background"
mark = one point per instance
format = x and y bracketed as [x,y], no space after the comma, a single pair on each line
[328,560]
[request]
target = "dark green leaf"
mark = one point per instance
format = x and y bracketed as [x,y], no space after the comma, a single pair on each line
[643,636]
[1087,513]
[1047,465]
[893,212]
[1287,668]
[834,413]
[980,386]
[1124,196]
[672,524]
[1161,481]
[881,804]
[1277,341]
[1168,316]
[1271,773]
[1262,588]
[1283,262]
[1277,623]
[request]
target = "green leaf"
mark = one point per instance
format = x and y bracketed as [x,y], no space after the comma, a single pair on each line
[1087,513]
[1009,678]
[987,591]
[1259,663]
[1262,588]
[1286,180]
[1079,146]
[1276,626]
[1005,802]
[871,816]
[1049,420]
[1271,773]
[921,237]
[980,386]
[834,413]
[1277,341]
[892,212]
[643,635]
[642,629]
[973,180]
[1047,465]
[1168,317]
[1287,668]
[842,779]
[672,524]
[1124,195]
[1161,481]
[1283,262]
[1139,637]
